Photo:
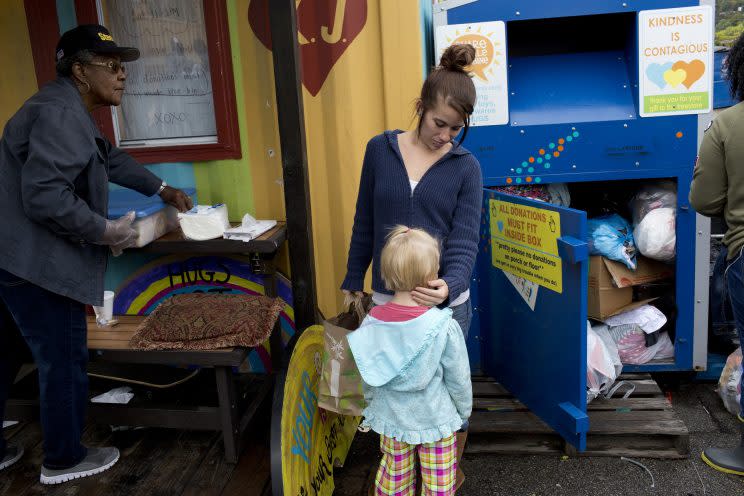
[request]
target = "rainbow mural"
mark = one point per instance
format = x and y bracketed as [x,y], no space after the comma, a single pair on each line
[164,277]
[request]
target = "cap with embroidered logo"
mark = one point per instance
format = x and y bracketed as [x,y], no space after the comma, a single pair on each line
[95,38]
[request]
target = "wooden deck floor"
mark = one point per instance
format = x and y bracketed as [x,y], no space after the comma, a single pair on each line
[170,462]
[153,462]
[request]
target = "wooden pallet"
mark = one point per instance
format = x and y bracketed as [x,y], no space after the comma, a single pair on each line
[644,425]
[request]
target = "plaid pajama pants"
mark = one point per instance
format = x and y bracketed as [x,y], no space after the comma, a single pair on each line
[397,473]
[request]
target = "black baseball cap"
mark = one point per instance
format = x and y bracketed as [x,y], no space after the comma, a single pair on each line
[95,38]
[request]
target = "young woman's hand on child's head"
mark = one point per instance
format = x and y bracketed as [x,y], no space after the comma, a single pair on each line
[436,293]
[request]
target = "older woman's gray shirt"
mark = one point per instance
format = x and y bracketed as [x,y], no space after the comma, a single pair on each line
[54,171]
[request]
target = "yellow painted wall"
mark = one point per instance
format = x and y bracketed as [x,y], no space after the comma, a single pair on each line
[231,181]
[370,88]
[259,109]
[18,80]
[253,183]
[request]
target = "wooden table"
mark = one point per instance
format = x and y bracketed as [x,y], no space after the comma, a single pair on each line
[174,242]
[111,344]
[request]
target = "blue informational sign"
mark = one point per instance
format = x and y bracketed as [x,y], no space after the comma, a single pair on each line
[535,315]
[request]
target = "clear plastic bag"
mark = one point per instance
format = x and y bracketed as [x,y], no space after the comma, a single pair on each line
[559,194]
[729,385]
[654,221]
[603,331]
[631,345]
[656,235]
[601,366]
[651,197]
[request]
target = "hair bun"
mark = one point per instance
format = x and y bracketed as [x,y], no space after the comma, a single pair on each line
[457,57]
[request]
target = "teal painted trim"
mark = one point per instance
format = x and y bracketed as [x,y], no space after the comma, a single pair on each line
[427,35]
[66,15]
[178,175]
[120,268]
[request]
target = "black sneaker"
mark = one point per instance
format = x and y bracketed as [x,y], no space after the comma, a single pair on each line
[96,461]
[13,453]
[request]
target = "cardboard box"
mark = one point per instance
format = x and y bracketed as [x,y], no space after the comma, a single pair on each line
[610,284]
[647,271]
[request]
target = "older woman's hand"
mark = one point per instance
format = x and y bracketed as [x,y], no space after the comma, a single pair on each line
[436,293]
[177,198]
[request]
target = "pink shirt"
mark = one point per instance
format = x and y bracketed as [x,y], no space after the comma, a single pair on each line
[392,312]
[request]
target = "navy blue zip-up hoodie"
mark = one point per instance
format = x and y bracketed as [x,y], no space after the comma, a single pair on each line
[446,203]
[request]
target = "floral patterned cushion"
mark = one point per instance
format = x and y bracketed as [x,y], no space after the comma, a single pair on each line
[202,321]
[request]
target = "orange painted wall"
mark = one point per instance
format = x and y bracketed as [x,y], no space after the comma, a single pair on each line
[18,81]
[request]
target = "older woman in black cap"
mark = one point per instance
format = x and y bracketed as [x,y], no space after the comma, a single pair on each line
[55,167]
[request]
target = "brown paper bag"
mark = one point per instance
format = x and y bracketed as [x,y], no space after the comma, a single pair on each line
[340,388]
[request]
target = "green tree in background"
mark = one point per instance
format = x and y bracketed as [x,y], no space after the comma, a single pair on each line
[729,21]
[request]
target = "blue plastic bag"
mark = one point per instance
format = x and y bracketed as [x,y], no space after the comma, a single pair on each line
[612,237]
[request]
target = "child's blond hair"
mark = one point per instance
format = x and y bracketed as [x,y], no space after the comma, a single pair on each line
[410,258]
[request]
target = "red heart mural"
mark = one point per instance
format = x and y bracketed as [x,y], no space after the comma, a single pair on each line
[325,30]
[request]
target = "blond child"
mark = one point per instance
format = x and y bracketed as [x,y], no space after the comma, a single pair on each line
[416,374]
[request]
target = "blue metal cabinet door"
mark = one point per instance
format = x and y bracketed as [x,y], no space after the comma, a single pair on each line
[534,332]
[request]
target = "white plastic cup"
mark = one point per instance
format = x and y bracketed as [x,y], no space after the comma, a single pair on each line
[105,314]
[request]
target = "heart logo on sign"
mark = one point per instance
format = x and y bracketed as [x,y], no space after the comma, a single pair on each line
[694,70]
[500,225]
[325,29]
[655,72]
[675,77]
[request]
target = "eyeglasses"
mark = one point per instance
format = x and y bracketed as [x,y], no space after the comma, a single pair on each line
[112,66]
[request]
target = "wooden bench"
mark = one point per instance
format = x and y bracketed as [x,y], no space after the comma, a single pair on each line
[232,416]
[112,345]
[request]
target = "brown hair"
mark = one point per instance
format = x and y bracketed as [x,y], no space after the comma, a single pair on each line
[450,81]
[410,258]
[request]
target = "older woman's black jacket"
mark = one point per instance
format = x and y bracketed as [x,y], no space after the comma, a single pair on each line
[55,167]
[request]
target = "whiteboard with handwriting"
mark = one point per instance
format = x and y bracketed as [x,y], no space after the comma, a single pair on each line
[168,92]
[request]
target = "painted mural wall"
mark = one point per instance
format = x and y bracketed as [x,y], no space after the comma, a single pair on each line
[363,66]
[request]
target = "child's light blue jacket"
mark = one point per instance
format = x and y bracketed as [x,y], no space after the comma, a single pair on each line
[416,376]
